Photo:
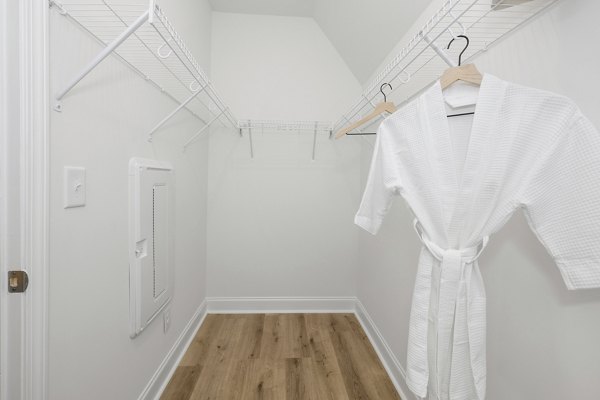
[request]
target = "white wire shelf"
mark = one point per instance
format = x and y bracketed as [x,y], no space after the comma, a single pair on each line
[142,37]
[422,61]
[285,126]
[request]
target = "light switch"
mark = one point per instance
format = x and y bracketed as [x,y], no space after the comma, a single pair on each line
[74,187]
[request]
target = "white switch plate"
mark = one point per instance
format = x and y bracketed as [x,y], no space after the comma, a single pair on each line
[74,187]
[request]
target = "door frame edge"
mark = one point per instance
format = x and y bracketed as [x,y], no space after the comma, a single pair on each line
[4,128]
[34,134]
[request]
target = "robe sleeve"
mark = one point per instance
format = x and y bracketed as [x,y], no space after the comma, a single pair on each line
[562,203]
[382,184]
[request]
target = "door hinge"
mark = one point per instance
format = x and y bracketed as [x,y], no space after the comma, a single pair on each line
[17,281]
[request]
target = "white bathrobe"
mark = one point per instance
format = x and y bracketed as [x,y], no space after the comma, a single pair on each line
[527,149]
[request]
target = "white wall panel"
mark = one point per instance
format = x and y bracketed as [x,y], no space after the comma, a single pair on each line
[281,224]
[270,67]
[363,32]
[103,124]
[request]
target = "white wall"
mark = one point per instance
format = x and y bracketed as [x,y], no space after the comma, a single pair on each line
[280,224]
[10,235]
[542,339]
[271,67]
[364,31]
[103,124]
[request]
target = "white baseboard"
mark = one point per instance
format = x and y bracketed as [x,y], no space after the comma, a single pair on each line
[247,305]
[388,359]
[165,371]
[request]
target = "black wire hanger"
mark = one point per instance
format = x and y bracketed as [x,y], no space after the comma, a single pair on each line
[459,64]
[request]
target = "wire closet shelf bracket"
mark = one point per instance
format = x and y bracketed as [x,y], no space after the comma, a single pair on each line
[144,39]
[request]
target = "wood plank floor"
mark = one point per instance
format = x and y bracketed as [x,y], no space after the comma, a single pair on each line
[280,357]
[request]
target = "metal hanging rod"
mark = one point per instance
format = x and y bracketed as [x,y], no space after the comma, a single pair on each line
[145,40]
[422,60]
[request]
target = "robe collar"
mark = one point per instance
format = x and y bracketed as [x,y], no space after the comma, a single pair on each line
[458,194]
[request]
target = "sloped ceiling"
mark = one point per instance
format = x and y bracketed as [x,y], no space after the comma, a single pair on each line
[362,31]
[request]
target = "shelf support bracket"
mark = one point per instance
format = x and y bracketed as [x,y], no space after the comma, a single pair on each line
[251,144]
[314,141]
[101,56]
[205,127]
[59,6]
[168,117]
[369,101]
[443,55]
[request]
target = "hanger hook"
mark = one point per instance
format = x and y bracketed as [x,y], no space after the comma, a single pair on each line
[192,88]
[460,24]
[383,93]
[407,77]
[159,50]
[463,50]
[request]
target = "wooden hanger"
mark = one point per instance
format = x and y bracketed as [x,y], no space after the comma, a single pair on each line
[466,73]
[385,106]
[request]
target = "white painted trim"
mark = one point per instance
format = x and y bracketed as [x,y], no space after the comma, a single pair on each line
[386,355]
[166,369]
[4,187]
[34,135]
[251,305]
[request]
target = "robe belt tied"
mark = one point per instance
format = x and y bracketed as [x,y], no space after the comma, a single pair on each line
[453,299]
